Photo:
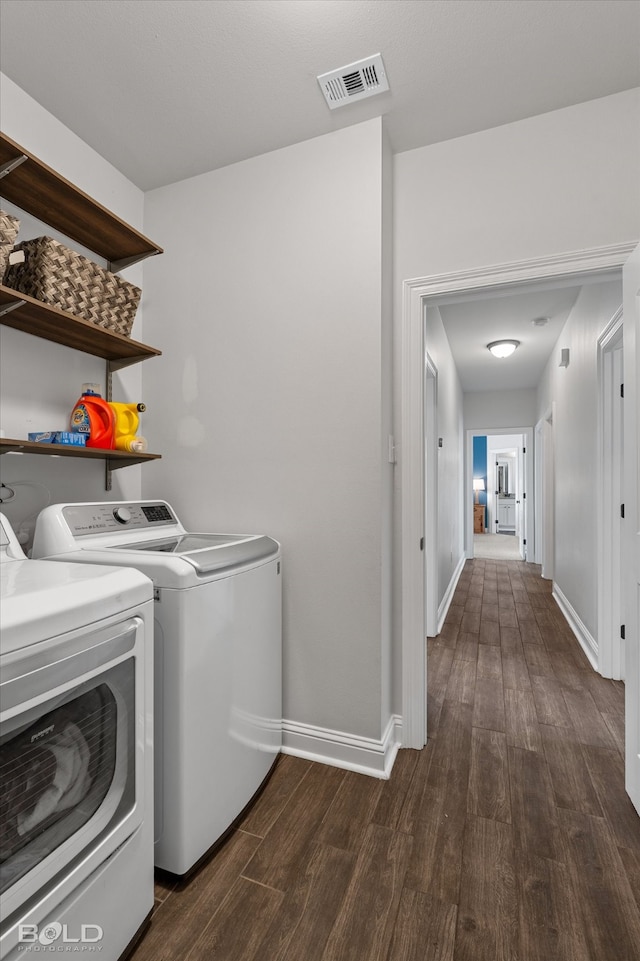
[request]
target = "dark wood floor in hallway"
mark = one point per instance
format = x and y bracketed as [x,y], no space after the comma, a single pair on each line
[508,838]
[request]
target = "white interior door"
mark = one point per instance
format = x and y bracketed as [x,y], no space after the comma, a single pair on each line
[617,471]
[492,498]
[538,523]
[617,477]
[521,514]
[611,525]
[548,497]
[631,587]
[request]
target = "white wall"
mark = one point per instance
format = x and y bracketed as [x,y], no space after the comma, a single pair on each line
[574,390]
[450,455]
[386,423]
[565,180]
[499,408]
[270,304]
[41,381]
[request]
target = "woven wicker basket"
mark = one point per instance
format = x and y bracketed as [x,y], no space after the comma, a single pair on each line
[9,227]
[62,278]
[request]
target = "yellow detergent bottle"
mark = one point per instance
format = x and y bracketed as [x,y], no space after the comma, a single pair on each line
[126,427]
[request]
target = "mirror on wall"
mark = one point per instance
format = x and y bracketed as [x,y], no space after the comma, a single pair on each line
[505,474]
[503,477]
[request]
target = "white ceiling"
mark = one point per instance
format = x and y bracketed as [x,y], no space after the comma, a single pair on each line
[167,89]
[472,324]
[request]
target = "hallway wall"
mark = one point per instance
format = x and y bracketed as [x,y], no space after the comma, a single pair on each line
[450,455]
[499,408]
[564,180]
[574,390]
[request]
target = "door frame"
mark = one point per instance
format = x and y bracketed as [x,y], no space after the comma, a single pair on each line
[431,497]
[631,526]
[526,435]
[415,293]
[610,496]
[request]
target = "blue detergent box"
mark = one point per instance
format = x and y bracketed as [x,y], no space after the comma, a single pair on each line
[59,437]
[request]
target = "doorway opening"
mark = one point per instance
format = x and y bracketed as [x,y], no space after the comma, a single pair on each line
[500,488]
[570,268]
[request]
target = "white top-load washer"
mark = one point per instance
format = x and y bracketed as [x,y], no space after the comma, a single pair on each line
[76,755]
[218,659]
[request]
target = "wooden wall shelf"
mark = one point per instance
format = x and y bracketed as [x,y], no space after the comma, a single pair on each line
[33,186]
[114,458]
[36,188]
[51,323]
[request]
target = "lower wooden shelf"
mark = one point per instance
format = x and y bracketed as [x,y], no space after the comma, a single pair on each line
[50,323]
[114,458]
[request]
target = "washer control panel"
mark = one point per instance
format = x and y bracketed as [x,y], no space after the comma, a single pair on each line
[83,519]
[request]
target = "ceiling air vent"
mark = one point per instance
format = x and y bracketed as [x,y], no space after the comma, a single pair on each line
[366,78]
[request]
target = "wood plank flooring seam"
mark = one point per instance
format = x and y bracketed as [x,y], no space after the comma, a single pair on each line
[260,883]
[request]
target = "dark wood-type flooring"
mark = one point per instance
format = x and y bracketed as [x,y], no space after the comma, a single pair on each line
[508,838]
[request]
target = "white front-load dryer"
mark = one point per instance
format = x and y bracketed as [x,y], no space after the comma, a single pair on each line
[76,753]
[218,659]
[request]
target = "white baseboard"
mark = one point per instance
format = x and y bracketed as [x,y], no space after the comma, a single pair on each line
[349,751]
[586,640]
[445,603]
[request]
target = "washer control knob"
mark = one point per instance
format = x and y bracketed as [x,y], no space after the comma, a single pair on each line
[122,515]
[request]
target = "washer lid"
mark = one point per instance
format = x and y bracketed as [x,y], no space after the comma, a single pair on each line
[43,599]
[10,549]
[209,552]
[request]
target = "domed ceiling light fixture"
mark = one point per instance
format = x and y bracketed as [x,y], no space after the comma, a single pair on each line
[503,348]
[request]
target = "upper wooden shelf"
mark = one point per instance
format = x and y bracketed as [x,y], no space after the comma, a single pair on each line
[42,192]
[50,323]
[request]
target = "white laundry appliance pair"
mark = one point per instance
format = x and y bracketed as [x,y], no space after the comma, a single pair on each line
[218,659]
[76,750]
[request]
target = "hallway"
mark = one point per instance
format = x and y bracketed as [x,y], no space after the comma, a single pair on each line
[508,838]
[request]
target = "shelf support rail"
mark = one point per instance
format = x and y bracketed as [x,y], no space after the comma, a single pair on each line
[10,165]
[11,306]
[108,397]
